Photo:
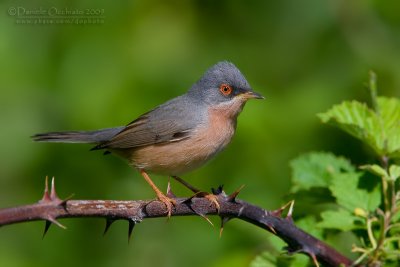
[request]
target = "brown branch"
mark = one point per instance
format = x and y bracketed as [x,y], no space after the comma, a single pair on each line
[51,208]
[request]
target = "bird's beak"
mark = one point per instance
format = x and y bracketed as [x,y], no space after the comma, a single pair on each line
[251,94]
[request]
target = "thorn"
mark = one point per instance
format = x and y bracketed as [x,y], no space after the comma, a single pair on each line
[46,228]
[170,194]
[271,229]
[232,197]
[314,259]
[53,193]
[278,212]
[63,201]
[218,191]
[46,196]
[189,199]
[52,220]
[132,224]
[224,220]
[51,197]
[290,212]
[108,224]
[49,222]
[206,218]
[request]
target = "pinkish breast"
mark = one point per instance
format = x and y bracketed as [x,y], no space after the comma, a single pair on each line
[176,158]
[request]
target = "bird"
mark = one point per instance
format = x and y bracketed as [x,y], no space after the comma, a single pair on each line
[178,136]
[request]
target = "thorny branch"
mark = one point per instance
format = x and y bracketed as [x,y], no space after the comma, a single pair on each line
[51,207]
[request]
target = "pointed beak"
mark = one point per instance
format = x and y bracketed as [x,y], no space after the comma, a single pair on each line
[255,95]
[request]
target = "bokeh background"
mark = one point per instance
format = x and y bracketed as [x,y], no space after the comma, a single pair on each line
[304,56]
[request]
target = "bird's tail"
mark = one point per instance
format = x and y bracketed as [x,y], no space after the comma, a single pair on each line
[94,137]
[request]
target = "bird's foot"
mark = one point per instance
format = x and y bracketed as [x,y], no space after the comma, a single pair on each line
[213,200]
[197,193]
[168,202]
[210,197]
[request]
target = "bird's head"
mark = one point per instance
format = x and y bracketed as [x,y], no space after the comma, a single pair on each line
[224,87]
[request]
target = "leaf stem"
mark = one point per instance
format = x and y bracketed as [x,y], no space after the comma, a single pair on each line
[373,89]
[389,198]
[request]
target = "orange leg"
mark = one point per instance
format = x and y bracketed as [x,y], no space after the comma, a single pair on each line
[212,198]
[169,202]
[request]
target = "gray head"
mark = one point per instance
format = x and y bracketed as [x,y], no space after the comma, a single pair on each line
[223,83]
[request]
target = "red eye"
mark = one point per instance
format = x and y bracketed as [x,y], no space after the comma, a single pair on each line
[225,89]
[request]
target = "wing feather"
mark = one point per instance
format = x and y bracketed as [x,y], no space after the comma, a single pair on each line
[171,122]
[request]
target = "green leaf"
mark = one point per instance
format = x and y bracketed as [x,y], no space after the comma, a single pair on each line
[394,171]
[315,169]
[298,260]
[308,224]
[379,129]
[265,259]
[390,114]
[358,120]
[345,188]
[338,219]
[375,169]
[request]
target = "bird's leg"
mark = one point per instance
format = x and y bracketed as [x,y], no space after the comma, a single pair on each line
[211,197]
[169,202]
[186,184]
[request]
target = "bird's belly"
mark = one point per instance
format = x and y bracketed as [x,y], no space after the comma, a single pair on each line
[179,157]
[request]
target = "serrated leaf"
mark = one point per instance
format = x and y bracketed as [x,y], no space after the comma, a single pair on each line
[390,115]
[345,189]
[375,169]
[380,130]
[358,120]
[338,219]
[394,172]
[315,169]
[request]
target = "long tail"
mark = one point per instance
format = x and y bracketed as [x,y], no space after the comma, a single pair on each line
[97,136]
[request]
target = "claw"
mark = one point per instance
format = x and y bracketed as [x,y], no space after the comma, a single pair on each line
[168,202]
[214,200]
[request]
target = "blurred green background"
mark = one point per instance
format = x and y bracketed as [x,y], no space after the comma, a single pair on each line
[304,56]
